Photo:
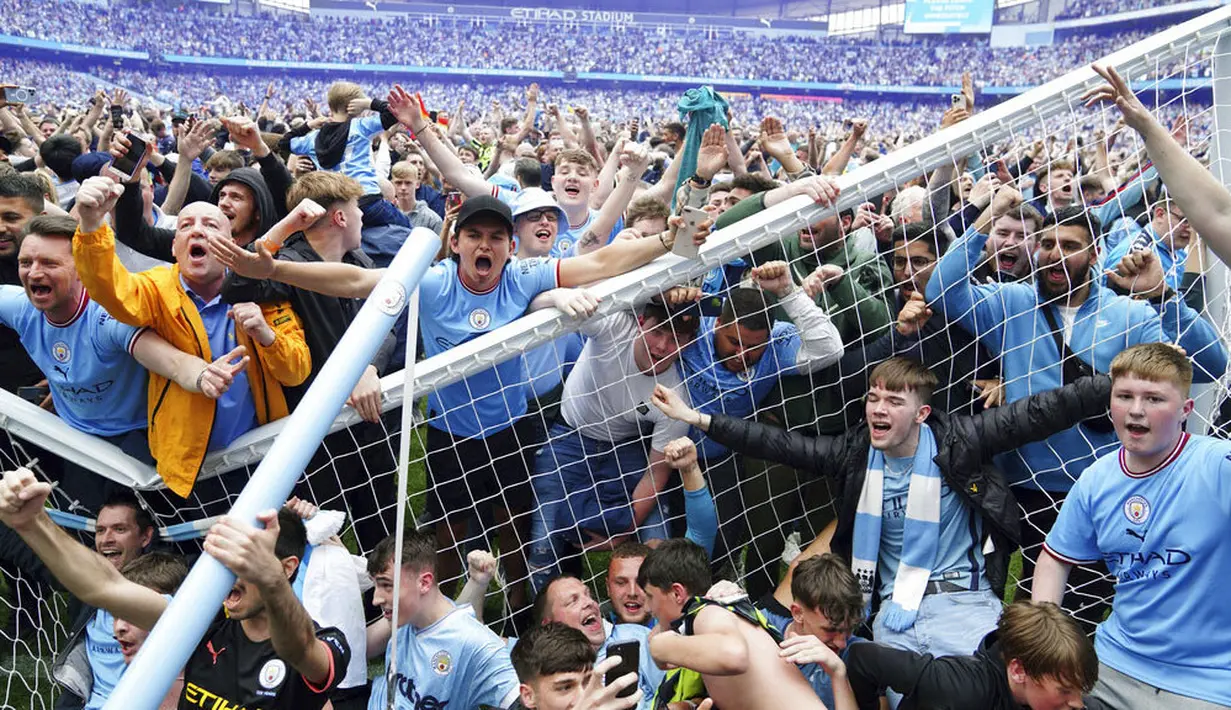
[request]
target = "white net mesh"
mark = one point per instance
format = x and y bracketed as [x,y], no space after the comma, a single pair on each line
[581,488]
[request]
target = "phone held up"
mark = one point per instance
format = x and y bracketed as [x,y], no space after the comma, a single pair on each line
[126,166]
[18,94]
[630,659]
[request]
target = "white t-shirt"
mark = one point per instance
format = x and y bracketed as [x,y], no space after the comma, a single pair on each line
[606,397]
[1068,314]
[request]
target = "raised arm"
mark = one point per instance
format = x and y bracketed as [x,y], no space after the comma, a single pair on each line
[588,142]
[635,158]
[86,574]
[324,277]
[190,146]
[249,553]
[532,110]
[699,511]
[480,569]
[130,299]
[622,256]
[836,165]
[1205,202]
[566,131]
[815,341]
[662,189]
[244,133]
[762,441]
[735,159]
[711,156]
[406,108]
[607,174]
[774,143]
[952,293]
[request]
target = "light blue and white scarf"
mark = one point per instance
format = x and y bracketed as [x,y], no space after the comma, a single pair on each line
[920,534]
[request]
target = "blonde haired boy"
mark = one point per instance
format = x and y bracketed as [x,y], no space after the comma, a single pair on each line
[1157,511]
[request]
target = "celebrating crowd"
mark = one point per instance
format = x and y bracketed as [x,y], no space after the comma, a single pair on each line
[199,30]
[990,362]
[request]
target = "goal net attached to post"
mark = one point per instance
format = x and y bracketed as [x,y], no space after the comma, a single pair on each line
[1176,73]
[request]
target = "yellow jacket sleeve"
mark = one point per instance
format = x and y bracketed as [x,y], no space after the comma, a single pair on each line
[130,298]
[287,358]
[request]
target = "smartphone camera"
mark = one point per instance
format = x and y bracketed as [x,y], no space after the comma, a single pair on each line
[19,94]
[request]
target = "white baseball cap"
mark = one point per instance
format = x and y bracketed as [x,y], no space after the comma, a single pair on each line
[535,198]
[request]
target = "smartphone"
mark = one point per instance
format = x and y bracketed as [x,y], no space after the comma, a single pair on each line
[684,246]
[958,100]
[127,165]
[630,661]
[453,198]
[18,94]
[34,395]
[117,117]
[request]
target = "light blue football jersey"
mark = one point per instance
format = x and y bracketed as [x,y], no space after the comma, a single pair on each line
[95,383]
[456,662]
[1163,534]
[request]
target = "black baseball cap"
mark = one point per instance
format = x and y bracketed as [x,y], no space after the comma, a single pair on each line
[485,206]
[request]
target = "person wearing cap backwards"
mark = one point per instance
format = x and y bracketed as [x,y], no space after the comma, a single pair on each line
[476,429]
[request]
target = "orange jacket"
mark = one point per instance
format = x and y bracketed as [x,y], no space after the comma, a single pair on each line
[181,421]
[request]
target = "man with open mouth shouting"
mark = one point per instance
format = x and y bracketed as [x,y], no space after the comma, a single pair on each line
[265,651]
[183,305]
[919,501]
[478,436]
[1052,332]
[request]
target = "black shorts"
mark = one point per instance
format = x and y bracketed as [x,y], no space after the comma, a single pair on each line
[479,474]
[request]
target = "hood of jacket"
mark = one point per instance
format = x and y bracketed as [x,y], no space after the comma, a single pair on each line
[330,143]
[266,214]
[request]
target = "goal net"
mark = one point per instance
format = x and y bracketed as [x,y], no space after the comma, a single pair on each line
[1045,143]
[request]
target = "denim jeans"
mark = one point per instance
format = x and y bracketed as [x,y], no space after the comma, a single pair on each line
[584,484]
[950,624]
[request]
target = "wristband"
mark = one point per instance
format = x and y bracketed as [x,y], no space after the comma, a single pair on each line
[272,245]
[663,239]
[200,377]
[700,182]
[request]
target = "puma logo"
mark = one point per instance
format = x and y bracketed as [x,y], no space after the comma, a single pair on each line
[209,646]
[1134,533]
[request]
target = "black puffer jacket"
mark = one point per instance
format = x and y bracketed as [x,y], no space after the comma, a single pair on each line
[965,446]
